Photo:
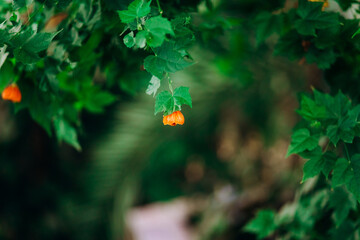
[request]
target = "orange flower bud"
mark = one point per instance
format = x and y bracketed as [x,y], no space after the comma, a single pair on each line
[174,118]
[12,93]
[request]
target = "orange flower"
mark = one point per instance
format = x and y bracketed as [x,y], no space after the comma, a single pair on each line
[174,118]
[12,93]
[325,3]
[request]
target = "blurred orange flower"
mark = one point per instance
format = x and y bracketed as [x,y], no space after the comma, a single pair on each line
[12,93]
[174,119]
[325,5]
[54,21]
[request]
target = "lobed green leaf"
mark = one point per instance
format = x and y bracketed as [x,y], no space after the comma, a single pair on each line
[302,141]
[154,85]
[263,224]
[157,28]
[136,9]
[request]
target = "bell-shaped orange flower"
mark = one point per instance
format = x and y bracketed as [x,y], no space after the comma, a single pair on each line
[12,93]
[174,119]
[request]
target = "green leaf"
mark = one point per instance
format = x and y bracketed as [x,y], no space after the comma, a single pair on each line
[312,17]
[342,104]
[19,3]
[263,224]
[164,103]
[182,96]
[318,162]
[21,38]
[329,160]
[323,36]
[26,57]
[356,33]
[153,86]
[38,104]
[65,132]
[335,133]
[157,28]
[7,75]
[266,24]
[290,46]
[27,45]
[346,230]
[345,4]
[94,100]
[326,100]
[167,103]
[323,58]
[129,40]
[354,184]
[155,66]
[342,202]
[342,172]
[332,133]
[39,42]
[302,141]
[140,39]
[184,37]
[136,9]
[341,118]
[346,122]
[167,59]
[310,110]
[348,173]
[4,36]
[337,106]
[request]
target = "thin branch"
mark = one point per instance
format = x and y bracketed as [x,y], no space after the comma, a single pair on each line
[159,7]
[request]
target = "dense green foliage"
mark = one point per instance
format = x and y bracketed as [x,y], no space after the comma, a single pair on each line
[333,122]
[327,135]
[61,85]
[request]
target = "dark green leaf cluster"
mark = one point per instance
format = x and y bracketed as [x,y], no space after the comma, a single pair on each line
[54,66]
[330,124]
[310,32]
[24,43]
[332,118]
[316,213]
[168,41]
[65,57]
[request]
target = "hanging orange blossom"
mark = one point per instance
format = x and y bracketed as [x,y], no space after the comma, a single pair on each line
[174,119]
[12,93]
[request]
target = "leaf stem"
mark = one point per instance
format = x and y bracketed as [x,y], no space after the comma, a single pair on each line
[37,11]
[327,146]
[138,25]
[152,49]
[347,152]
[170,87]
[170,83]
[159,7]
